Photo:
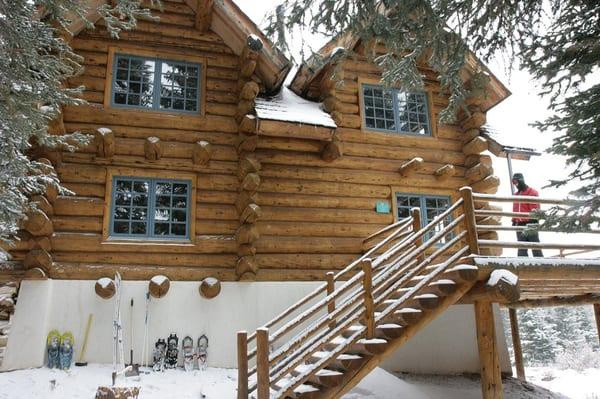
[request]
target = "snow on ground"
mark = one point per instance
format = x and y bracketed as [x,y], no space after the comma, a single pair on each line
[81,383]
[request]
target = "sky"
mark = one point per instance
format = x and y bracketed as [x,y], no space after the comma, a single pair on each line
[511,119]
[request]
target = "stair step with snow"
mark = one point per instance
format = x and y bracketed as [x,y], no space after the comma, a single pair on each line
[342,362]
[325,377]
[442,287]
[365,347]
[424,301]
[407,316]
[462,273]
[389,331]
[304,391]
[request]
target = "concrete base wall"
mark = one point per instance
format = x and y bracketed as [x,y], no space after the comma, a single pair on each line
[448,345]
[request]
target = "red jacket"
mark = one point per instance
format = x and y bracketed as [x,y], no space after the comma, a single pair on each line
[525,207]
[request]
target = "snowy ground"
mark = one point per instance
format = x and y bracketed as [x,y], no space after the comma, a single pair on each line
[81,383]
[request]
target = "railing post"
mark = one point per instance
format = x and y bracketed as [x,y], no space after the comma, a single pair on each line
[516,338]
[470,222]
[330,289]
[242,357]
[367,268]
[263,382]
[415,213]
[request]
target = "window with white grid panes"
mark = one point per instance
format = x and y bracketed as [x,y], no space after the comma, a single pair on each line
[393,110]
[430,206]
[150,208]
[152,83]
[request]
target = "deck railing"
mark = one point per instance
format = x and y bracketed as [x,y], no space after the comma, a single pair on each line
[396,257]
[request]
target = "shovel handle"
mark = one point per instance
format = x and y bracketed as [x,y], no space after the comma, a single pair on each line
[85,337]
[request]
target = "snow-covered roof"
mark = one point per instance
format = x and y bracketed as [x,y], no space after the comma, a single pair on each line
[287,106]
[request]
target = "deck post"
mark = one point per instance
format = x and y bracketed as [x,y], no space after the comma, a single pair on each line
[242,357]
[491,379]
[597,314]
[262,364]
[330,289]
[516,338]
[369,319]
[470,221]
[415,213]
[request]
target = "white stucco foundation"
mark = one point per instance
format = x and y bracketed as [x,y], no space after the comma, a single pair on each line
[448,345]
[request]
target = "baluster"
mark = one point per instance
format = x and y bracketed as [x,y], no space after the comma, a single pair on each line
[262,363]
[470,222]
[242,353]
[415,213]
[369,319]
[330,289]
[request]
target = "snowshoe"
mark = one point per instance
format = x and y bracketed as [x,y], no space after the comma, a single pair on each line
[53,349]
[187,350]
[172,351]
[66,350]
[160,351]
[202,352]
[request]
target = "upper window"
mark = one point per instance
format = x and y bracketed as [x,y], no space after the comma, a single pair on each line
[393,110]
[431,206]
[151,208]
[152,83]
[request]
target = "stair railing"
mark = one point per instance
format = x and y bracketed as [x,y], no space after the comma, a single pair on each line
[403,255]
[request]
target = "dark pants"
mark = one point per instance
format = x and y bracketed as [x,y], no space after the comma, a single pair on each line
[528,236]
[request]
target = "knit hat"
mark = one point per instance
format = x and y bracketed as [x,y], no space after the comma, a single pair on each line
[518,176]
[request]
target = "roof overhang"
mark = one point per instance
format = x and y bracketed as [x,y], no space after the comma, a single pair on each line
[496,91]
[504,151]
[233,26]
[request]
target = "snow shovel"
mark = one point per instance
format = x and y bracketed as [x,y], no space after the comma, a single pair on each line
[133,369]
[81,363]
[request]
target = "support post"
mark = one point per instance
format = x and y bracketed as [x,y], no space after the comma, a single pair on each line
[330,289]
[597,314]
[470,223]
[369,319]
[242,357]
[516,338]
[415,213]
[262,364]
[491,379]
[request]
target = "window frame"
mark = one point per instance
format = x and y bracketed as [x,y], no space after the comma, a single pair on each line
[422,194]
[160,55]
[114,173]
[362,83]
[151,207]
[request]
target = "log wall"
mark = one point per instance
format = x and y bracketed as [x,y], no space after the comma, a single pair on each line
[310,203]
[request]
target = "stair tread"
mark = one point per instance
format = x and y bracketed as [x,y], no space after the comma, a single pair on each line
[409,310]
[371,341]
[389,325]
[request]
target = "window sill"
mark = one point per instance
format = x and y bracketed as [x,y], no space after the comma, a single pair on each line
[117,241]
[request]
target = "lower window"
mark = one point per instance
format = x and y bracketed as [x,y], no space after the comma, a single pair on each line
[150,208]
[431,206]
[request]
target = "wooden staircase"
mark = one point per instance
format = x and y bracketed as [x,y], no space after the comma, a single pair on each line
[326,343]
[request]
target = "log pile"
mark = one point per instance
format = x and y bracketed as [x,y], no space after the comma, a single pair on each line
[8,298]
[248,165]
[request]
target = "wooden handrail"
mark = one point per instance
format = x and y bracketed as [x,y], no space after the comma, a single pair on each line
[487,212]
[386,229]
[536,245]
[369,318]
[479,197]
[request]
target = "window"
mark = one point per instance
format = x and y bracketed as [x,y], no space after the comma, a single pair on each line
[393,110]
[431,206]
[152,83]
[150,208]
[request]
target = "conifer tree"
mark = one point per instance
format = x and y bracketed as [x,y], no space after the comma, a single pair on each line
[35,63]
[555,40]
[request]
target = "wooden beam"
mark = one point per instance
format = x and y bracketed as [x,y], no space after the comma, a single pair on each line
[204,13]
[575,300]
[516,339]
[475,146]
[412,166]
[242,357]
[332,150]
[491,379]
[445,172]
[262,364]
[597,316]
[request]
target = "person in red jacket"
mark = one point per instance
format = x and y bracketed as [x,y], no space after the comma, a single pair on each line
[525,207]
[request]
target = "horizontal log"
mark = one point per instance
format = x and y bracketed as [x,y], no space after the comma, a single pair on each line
[148,259]
[203,244]
[475,146]
[478,172]
[251,214]
[246,268]
[273,244]
[79,206]
[38,258]
[270,213]
[274,185]
[475,121]
[247,234]
[316,201]
[576,300]
[445,172]
[38,224]
[83,224]
[298,130]
[490,183]
[332,150]
[306,261]
[317,229]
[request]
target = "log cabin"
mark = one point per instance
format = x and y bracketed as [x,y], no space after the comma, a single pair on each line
[250,186]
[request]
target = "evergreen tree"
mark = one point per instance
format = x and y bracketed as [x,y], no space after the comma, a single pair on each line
[555,40]
[538,336]
[34,64]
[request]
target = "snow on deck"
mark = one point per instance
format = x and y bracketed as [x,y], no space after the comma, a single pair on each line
[287,106]
[541,262]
